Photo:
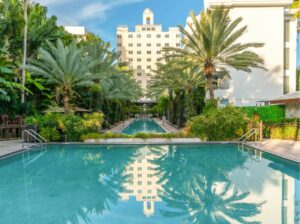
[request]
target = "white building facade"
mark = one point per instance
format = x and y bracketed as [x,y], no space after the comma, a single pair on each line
[270,22]
[142,48]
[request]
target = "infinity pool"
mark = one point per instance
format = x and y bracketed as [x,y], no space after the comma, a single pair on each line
[180,184]
[143,125]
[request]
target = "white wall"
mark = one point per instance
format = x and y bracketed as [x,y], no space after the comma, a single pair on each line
[265,25]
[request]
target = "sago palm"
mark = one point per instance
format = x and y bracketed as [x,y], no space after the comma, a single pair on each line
[211,43]
[65,67]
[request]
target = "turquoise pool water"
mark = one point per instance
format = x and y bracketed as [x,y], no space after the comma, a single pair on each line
[143,125]
[180,184]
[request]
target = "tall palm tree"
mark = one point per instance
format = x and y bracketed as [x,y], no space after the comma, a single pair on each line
[24,48]
[66,67]
[211,44]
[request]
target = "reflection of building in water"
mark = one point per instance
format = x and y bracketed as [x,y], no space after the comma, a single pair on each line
[290,207]
[142,181]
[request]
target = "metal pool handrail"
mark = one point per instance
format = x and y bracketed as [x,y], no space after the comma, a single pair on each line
[247,135]
[34,135]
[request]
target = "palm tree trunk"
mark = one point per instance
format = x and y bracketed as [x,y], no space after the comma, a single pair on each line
[24,49]
[66,104]
[210,88]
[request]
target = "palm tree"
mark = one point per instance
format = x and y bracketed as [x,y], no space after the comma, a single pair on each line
[296,5]
[24,49]
[211,44]
[65,67]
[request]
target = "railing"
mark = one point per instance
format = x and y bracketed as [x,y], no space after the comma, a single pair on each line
[31,136]
[248,135]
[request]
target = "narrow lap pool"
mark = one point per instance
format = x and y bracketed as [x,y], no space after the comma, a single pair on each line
[180,184]
[143,125]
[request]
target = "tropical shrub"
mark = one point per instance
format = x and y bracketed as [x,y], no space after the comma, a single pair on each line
[62,127]
[223,124]
[138,135]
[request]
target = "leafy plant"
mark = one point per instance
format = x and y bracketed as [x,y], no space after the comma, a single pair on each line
[223,124]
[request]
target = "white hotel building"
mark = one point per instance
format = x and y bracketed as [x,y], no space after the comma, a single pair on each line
[142,48]
[270,22]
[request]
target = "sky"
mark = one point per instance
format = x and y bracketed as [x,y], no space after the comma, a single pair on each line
[103,16]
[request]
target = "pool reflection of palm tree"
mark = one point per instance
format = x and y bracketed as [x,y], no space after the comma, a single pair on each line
[198,187]
[68,188]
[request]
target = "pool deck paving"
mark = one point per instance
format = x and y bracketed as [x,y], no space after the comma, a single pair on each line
[287,149]
[10,147]
[120,126]
[167,126]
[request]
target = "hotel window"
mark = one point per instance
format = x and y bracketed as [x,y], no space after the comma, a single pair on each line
[139,168]
[178,45]
[148,66]
[149,183]
[143,28]
[139,81]
[130,36]
[148,81]
[148,59]
[139,175]
[158,52]
[286,58]
[148,35]
[167,44]
[167,36]
[131,168]
[148,74]
[139,74]
[139,67]
[130,59]
[119,36]
[177,35]
[153,29]
[148,45]
[148,52]
[287,31]
[149,175]
[139,191]
[158,35]
[139,44]
[139,36]
[139,52]
[158,45]
[149,191]
[130,52]
[119,45]
[140,182]
[139,59]
[120,52]
[148,28]
[130,45]
[130,182]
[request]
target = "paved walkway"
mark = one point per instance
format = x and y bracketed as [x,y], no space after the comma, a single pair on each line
[168,127]
[120,126]
[8,147]
[287,149]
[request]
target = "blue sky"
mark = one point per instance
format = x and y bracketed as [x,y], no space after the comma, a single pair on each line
[103,16]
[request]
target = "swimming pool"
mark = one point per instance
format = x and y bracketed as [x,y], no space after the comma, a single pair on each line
[143,125]
[81,184]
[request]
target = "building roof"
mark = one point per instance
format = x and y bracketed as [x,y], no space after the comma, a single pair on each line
[286,99]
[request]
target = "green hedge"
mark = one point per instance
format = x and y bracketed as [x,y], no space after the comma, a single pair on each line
[138,135]
[268,114]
